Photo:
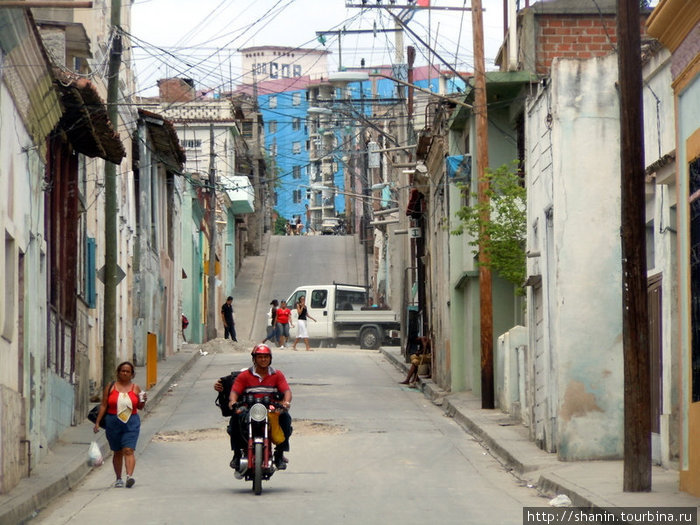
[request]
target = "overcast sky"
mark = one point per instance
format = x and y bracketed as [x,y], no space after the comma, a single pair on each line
[199,39]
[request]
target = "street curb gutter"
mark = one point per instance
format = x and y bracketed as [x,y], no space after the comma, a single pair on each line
[162,387]
[551,483]
[69,456]
[431,391]
[523,457]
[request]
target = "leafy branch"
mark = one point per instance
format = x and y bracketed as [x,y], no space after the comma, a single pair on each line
[502,237]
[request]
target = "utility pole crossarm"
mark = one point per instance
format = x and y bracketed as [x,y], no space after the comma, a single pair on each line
[356,31]
[392,5]
[65,4]
[427,46]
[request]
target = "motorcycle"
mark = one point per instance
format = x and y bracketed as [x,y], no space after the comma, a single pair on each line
[257,463]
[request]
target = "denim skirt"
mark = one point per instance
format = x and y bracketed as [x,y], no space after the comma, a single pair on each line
[122,435]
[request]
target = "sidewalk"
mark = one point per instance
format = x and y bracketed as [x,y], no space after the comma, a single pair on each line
[590,484]
[66,464]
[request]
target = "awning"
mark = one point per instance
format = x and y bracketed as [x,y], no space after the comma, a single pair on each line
[85,119]
[415,204]
[164,139]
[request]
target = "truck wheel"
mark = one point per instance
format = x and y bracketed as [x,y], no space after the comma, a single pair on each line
[369,338]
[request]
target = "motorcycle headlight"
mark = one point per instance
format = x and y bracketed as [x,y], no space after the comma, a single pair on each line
[258,412]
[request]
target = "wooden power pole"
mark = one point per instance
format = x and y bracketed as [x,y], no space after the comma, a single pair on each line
[635,332]
[482,162]
[211,269]
[109,318]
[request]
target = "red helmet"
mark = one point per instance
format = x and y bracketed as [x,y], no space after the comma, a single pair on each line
[261,350]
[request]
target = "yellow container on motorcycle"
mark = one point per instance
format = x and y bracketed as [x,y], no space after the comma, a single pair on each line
[276,432]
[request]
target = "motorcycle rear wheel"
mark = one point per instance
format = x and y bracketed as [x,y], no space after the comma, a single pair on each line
[257,473]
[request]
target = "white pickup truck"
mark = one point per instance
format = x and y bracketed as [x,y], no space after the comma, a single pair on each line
[342,312]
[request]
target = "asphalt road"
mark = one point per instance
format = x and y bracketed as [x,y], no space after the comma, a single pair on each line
[314,259]
[365,450]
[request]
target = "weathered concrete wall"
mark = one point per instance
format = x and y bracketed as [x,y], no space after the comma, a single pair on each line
[12,463]
[586,236]
[574,221]
[661,194]
[23,290]
[60,400]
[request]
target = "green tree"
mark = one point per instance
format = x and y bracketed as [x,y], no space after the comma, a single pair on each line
[503,236]
[280,224]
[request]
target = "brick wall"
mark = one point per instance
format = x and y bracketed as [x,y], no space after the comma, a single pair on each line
[568,36]
[176,90]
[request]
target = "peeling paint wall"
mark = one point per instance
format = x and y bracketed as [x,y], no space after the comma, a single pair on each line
[662,240]
[23,305]
[574,241]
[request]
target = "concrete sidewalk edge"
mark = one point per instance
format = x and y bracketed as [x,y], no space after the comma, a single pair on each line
[589,484]
[65,466]
[509,452]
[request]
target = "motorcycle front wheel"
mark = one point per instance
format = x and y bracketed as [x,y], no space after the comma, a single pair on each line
[257,474]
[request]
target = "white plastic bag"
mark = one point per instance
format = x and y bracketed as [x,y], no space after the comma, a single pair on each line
[562,500]
[95,455]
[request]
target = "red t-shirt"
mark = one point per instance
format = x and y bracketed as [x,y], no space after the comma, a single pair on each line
[251,383]
[283,315]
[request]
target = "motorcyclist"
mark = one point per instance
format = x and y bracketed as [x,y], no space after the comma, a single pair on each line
[261,380]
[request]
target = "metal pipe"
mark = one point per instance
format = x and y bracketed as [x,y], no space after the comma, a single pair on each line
[400,148]
[386,212]
[29,455]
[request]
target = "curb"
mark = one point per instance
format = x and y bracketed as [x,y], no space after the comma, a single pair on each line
[161,387]
[553,484]
[24,507]
[522,456]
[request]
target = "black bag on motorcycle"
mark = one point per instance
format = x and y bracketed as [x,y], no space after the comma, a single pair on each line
[222,398]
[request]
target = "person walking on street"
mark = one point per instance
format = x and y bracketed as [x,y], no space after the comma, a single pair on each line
[308,219]
[302,332]
[284,321]
[272,328]
[185,324]
[227,317]
[121,402]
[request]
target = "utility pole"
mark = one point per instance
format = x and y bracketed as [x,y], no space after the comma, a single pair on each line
[635,334]
[482,162]
[211,270]
[256,221]
[109,318]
